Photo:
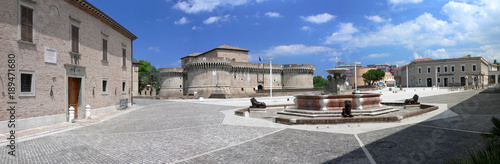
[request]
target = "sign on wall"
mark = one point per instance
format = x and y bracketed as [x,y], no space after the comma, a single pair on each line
[50,55]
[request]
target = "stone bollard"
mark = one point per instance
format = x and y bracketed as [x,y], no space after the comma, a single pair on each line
[71,114]
[87,112]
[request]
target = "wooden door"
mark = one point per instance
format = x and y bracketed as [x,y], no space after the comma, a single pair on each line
[73,88]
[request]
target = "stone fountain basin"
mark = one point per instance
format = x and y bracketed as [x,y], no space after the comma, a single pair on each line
[336,102]
[335,71]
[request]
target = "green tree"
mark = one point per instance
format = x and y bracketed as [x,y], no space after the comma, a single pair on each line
[373,75]
[319,81]
[148,75]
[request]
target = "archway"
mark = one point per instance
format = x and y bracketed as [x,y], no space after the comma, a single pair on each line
[260,87]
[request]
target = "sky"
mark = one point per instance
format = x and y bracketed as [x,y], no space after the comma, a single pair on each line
[318,32]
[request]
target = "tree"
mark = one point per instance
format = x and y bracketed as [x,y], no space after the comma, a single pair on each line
[319,81]
[148,75]
[373,75]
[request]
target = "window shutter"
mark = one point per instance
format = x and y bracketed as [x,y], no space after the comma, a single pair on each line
[74,38]
[26,24]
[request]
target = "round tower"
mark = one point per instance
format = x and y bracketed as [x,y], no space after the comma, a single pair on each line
[208,79]
[298,76]
[172,84]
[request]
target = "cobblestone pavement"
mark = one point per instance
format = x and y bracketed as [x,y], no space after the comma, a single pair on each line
[165,131]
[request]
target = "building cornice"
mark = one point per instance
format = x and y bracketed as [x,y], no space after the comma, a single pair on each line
[95,12]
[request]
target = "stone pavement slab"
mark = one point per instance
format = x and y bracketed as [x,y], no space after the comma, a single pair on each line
[289,146]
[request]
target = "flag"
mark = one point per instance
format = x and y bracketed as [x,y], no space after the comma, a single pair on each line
[265,59]
[260,59]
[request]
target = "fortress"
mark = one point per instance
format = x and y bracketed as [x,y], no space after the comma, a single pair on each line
[225,72]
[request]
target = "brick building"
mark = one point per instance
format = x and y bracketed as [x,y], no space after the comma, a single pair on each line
[67,53]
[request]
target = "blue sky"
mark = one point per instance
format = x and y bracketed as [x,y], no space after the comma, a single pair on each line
[319,32]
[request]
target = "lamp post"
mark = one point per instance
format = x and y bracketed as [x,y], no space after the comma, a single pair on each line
[271,76]
[356,77]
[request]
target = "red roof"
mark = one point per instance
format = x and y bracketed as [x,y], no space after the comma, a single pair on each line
[422,59]
[400,67]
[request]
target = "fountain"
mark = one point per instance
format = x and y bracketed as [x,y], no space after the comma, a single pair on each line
[337,81]
[331,104]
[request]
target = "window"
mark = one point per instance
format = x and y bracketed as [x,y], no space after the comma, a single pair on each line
[123,86]
[439,80]
[420,81]
[419,70]
[463,68]
[473,67]
[104,49]
[104,86]
[27,81]
[428,69]
[124,55]
[452,68]
[452,79]
[74,38]
[438,69]
[397,73]
[26,23]
[445,69]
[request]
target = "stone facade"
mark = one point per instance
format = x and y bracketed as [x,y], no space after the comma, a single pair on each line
[225,72]
[465,71]
[46,63]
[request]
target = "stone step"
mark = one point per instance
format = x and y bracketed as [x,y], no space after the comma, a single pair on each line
[337,113]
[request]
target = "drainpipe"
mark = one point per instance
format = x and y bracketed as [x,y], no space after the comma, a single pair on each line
[131,72]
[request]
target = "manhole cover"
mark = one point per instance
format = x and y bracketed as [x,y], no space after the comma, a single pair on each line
[386,144]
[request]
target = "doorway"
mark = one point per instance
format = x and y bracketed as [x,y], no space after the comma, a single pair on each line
[73,92]
[462,81]
[445,82]
[429,82]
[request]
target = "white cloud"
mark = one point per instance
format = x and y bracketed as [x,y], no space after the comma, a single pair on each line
[211,20]
[260,1]
[377,19]
[183,20]
[305,28]
[216,19]
[437,54]
[175,64]
[196,6]
[416,55]
[320,18]
[399,63]
[422,32]
[335,59]
[196,28]
[154,49]
[344,34]
[376,55]
[397,2]
[273,14]
[296,49]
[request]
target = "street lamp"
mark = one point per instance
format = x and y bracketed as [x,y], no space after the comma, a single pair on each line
[356,77]
[271,76]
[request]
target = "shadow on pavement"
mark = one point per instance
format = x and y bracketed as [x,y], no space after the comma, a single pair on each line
[435,141]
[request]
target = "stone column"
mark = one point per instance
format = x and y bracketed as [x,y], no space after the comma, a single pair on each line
[466,82]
